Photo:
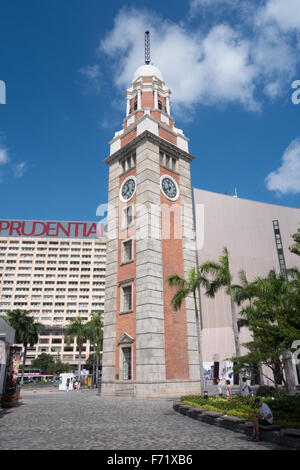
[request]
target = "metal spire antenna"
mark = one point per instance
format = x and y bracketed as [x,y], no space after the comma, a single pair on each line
[147,47]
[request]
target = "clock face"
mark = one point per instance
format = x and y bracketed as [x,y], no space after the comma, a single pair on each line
[127,189]
[169,188]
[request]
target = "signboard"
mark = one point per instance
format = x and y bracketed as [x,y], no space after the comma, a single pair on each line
[54,229]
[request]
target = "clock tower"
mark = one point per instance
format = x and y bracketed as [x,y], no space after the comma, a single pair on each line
[148,349]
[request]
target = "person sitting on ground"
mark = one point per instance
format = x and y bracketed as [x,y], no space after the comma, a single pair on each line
[264,418]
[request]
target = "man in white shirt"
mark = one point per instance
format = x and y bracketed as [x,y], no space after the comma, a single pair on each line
[245,388]
[265,418]
[219,388]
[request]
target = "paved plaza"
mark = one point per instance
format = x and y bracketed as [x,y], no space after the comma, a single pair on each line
[84,420]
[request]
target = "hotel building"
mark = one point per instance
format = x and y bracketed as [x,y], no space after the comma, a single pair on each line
[57,273]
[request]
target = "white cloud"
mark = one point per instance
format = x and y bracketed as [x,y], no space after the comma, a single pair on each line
[3,156]
[20,169]
[211,69]
[285,13]
[197,4]
[215,64]
[92,75]
[223,66]
[286,179]
[275,59]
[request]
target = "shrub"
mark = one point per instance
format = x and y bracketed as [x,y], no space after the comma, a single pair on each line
[285,409]
[268,391]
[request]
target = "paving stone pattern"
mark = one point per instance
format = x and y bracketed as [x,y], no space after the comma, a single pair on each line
[84,420]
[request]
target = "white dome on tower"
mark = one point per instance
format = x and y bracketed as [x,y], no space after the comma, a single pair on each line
[147,71]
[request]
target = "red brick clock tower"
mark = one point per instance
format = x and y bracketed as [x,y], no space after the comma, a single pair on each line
[148,349]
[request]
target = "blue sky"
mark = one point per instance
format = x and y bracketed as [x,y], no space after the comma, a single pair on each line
[229,63]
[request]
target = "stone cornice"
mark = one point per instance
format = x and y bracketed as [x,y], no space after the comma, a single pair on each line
[166,146]
[134,125]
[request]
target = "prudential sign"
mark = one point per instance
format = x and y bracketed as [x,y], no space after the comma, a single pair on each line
[38,228]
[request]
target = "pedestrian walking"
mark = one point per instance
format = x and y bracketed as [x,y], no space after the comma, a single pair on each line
[67,384]
[78,385]
[219,387]
[228,388]
[245,388]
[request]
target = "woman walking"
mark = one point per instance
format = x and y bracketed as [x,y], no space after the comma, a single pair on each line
[228,388]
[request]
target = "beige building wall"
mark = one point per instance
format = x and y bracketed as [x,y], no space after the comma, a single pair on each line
[246,229]
[55,279]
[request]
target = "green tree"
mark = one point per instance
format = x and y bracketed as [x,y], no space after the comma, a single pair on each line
[245,292]
[27,331]
[43,362]
[217,276]
[79,330]
[186,287]
[273,318]
[58,367]
[296,247]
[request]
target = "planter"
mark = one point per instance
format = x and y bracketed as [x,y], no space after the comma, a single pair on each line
[10,400]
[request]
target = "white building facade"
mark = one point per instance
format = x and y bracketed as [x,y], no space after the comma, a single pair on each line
[57,273]
[258,237]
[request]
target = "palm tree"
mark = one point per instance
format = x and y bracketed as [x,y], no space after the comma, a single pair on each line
[222,278]
[27,331]
[95,336]
[184,289]
[79,330]
[273,317]
[280,292]
[245,291]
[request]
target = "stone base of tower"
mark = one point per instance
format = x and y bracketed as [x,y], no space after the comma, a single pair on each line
[170,388]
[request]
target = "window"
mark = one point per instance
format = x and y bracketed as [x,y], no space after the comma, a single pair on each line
[279,247]
[167,161]
[127,251]
[126,363]
[127,217]
[128,163]
[161,158]
[126,298]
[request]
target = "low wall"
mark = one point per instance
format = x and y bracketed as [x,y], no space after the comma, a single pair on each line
[284,437]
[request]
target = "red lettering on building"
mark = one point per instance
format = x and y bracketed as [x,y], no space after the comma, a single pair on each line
[15,226]
[93,230]
[4,225]
[26,228]
[62,228]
